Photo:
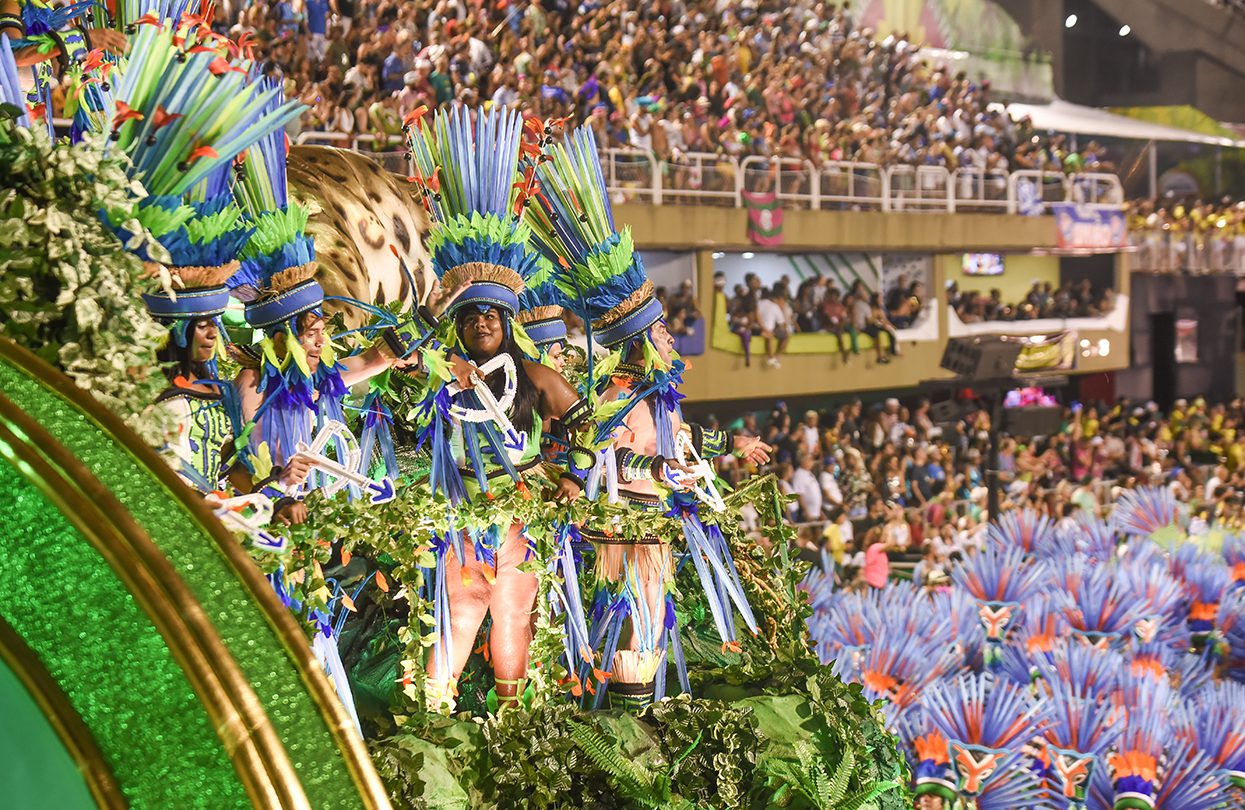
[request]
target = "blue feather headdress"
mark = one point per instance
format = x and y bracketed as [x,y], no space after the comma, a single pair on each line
[1216,724]
[599,269]
[540,311]
[468,172]
[1024,528]
[11,83]
[278,261]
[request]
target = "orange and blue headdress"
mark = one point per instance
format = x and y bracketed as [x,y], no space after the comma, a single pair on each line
[1024,528]
[1148,512]
[467,167]
[1145,723]
[931,770]
[1078,733]
[985,720]
[599,269]
[1216,724]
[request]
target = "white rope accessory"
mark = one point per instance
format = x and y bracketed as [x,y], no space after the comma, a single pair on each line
[233,512]
[492,409]
[345,471]
[704,480]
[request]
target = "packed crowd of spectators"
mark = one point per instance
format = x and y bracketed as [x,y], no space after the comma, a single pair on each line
[777,312]
[1198,237]
[1044,300]
[888,475]
[794,79]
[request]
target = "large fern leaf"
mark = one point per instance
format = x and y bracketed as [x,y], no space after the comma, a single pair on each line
[842,775]
[865,795]
[633,782]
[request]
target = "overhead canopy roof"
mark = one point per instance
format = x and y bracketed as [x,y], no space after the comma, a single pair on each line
[1064,116]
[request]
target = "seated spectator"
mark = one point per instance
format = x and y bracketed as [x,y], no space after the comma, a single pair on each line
[682,312]
[772,315]
[869,317]
[835,320]
[742,311]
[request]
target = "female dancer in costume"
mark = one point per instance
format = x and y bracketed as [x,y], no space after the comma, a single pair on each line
[484,438]
[602,276]
[206,413]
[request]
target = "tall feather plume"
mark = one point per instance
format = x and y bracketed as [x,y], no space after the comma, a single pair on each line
[1024,528]
[11,84]
[598,266]
[997,574]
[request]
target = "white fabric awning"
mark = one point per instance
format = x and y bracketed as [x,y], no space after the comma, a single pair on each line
[1064,116]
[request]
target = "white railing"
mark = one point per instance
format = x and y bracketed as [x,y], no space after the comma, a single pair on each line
[980,189]
[792,179]
[919,188]
[632,175]
[1029,189]
[701,178]
[707,178]
[844,183]
[1159,251]
[1096,188]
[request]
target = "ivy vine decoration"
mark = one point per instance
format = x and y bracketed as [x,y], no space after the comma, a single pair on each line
[69,289]
[402,533]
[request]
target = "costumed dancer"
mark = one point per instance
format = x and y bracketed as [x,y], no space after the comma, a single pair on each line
[293,397]
[163,93]
[50,40]
[604,280]
[299,384]
[541,314]
[484,432]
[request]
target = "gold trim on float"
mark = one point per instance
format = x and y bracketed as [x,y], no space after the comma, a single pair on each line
[63,719]
[358,762]
[237,716]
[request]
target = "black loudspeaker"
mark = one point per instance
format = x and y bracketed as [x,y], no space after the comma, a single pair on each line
[981,358]
[1032,421]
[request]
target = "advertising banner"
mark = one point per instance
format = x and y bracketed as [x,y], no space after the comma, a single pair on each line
[1082,227]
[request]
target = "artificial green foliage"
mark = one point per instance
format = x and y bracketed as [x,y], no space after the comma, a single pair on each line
[68,287]
[714,746]
[637,786]
[742,742]
[809,783]
[755,752]
[532,760]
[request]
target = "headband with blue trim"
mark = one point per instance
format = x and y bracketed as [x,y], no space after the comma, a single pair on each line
[272,311]
[209,302]
[633,322]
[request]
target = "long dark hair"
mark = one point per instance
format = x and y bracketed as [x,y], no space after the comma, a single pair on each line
[178,361]
[526,395]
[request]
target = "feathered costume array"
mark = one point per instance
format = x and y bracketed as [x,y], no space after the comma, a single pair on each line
[602,277]
[1110,679]
[467,165]
[179,108]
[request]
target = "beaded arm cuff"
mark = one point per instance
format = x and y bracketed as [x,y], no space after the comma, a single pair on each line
[635,467]
[710,443]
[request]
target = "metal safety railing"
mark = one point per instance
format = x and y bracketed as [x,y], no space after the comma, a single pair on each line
[1176,251]
[709,178]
